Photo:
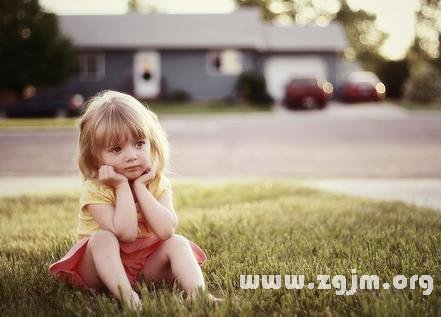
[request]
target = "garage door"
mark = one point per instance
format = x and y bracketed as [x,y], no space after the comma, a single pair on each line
[279,70]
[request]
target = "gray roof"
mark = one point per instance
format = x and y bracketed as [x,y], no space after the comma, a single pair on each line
[240,29]
[305,38]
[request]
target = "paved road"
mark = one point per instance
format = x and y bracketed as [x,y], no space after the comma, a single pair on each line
[418,191]
[363,141]
[377,151]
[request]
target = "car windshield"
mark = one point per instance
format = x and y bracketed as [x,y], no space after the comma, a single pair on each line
[304,82]
[363,77]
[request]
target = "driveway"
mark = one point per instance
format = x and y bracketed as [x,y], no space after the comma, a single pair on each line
[364,141]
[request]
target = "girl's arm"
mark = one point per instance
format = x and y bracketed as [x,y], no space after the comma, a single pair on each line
[161,217]
[122,218]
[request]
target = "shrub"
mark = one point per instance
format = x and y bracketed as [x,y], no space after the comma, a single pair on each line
[251,88]
[394,75]
[423,84]
[180,95]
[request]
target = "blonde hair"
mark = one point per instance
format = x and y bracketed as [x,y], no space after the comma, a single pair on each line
[112,117]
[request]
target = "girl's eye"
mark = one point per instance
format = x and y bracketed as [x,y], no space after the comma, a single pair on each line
[116,149]
[140,143]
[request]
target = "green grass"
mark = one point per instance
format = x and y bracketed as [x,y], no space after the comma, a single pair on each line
[162,109]
[417,106]
[245,228]
[38,123]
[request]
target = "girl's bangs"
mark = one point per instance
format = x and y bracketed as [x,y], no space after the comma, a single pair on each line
[116,127]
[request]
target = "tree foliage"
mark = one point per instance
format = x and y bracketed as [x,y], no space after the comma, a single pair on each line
[427,45]
[364,37]
[133,5]
[424,83]
[32,49]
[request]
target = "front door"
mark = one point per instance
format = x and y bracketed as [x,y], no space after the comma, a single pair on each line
[147,74]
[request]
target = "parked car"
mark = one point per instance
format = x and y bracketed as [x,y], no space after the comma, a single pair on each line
[363,86]
[44,102]
[307,92]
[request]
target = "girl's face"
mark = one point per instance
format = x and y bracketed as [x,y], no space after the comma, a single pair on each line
[130,158]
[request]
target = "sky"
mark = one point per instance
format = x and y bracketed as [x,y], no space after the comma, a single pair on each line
[395,17]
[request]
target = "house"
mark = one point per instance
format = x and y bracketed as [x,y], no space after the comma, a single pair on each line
[152,55]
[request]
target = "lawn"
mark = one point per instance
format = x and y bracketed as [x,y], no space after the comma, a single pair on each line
[418,106]
[162,109]
[255,227]
[38,123]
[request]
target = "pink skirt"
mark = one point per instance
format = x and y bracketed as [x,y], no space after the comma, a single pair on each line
[133,256]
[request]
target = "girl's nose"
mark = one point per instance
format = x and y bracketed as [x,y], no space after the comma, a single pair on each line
[131,154]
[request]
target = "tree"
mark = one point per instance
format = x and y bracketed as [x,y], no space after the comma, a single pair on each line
[363,36]
[423,84]
[298,11]
[140,7]
[32,49]
[427,44]
[133,5]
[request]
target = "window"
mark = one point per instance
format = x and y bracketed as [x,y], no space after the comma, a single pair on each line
[228,62]
[91,66]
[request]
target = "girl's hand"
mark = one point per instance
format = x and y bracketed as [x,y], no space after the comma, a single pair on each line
[147,176]
[108,176]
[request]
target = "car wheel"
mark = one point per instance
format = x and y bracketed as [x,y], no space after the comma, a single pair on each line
[61,113]
[309,103]
[322,105]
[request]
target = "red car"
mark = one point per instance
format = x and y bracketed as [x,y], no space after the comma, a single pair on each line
[363,86]
[307,93]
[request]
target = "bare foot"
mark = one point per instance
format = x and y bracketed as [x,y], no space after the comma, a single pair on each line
[211,298]
[134,303]
[215,300]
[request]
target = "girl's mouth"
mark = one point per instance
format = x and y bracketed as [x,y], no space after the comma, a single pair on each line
[132,168]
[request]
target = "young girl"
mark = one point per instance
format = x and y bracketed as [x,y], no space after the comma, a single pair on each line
[126,221]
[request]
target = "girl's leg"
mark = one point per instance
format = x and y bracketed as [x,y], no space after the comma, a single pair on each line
[157,267]
[101,263]
[175,259]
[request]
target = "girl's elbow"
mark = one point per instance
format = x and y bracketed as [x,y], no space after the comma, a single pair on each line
[166,234]
[127,236]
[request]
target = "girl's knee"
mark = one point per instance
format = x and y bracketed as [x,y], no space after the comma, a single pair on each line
[178,241]
[102,239]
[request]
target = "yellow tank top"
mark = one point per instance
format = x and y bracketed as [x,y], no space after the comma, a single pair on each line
[93,192]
